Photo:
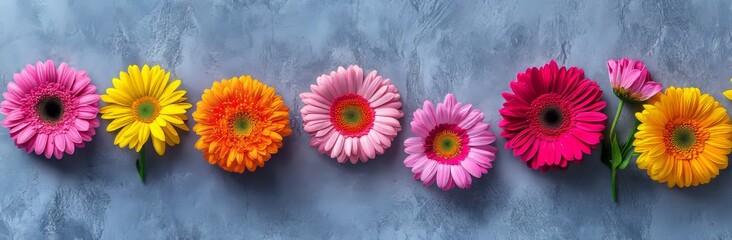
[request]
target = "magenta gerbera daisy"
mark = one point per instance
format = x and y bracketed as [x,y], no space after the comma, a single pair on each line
[50,111]
[452,144]
[351,117]
[553,116]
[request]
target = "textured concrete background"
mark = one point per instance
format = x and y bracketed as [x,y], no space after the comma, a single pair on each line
[428,48]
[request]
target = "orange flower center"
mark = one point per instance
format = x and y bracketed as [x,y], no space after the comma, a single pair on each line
[446,144]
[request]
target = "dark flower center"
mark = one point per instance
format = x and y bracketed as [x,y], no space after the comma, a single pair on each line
[50,109]
[683,137]
[551,117]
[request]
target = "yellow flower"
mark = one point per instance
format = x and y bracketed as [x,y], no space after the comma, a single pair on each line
[241,122]
[144,103]
[684,138]
[728,93]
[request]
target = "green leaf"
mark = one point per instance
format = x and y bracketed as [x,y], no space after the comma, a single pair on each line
[625,162]
[631,138]
[617,158]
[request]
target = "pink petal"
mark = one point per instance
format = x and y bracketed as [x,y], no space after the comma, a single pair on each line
[73,135]
[49,148]
[367,147]
[591,117]
[58,154]
[441,113]
[25,135]
[370,84]
[443,176]
[60,141]
[481,140]
[81,125]
[471,167]
[411,160]
[18,127]
[378,94]
[315,126]
[587,137]
[80,84]
[337,147]
[69,146]
[413,141]
[388,112]
[387,121]
[40,143]
[385,129]
[462,180]
[347,145]
[649,90]
[429,171]
[88,99]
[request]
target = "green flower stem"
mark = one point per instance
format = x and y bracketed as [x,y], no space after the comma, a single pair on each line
[617,116]
[613,168]
[141,165]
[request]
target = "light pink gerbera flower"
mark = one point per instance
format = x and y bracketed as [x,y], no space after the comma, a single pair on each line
[452,144]
[553,116]
[50,111]
[631,81]
[351,117]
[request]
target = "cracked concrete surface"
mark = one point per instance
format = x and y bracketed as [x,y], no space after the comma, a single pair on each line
[427,48]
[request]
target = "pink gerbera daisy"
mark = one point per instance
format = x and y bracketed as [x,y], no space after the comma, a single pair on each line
[631,81]
[350,116]
[452,144]
[50,111]
[553,116]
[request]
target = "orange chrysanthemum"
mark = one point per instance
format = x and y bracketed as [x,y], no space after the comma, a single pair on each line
[241,122]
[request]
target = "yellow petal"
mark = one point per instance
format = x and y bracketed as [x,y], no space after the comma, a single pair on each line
[156,131]
[144,133]
[172,98]
[119,123]
[172,110]
[728,94]
[159,146]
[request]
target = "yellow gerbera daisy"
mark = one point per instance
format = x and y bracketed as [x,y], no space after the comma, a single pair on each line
[241,122]
[684,138]
[144,103]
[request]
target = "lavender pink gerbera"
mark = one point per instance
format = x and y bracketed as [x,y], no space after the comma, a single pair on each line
[351,117]
[50,111]
[451,146]
[631,80]
[553,116]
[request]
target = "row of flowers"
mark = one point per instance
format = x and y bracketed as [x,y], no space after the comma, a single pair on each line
[551,117]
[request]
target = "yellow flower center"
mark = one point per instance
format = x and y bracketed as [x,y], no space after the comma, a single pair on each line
[145,109]
[684,140]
